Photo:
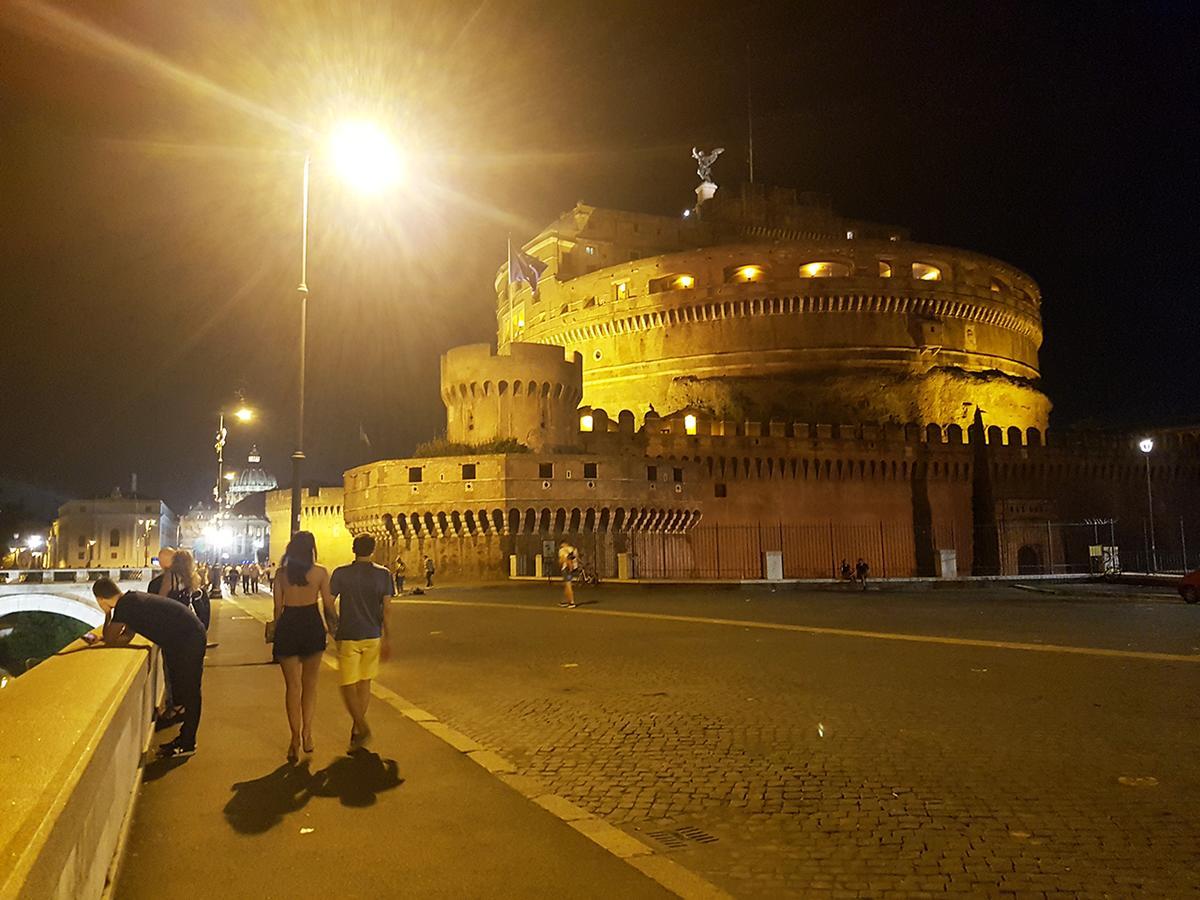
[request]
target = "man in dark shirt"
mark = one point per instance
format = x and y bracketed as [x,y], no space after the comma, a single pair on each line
[362,635]
[180,636]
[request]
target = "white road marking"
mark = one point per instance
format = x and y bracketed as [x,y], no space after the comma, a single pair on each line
[1148,655]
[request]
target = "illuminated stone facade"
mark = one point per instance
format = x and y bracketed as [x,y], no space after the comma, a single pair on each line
[766,393]
[775,307]
[114,532]
[321,513]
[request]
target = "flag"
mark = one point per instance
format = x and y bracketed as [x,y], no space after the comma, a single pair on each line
[523,267]
[362,435]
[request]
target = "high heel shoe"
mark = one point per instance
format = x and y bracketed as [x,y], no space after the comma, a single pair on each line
[309,747]
[293,755]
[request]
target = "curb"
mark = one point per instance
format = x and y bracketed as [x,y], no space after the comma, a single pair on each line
[669,874]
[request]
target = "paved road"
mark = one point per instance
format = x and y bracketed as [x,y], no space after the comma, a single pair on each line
[784,761]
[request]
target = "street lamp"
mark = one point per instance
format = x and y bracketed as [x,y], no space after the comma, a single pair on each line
[242,414]
[367,159]
[1146,445]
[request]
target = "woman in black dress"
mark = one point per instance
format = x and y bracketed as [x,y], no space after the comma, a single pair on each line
[300,634]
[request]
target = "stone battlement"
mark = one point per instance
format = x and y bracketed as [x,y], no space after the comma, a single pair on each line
[700,429]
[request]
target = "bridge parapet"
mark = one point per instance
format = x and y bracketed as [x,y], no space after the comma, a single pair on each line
[75,730]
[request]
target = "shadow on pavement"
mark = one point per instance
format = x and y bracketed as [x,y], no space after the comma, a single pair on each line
[356,780]
[159,767]
[259,805]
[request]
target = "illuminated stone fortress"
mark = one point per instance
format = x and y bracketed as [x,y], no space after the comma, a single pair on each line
[774,306]
[764,391]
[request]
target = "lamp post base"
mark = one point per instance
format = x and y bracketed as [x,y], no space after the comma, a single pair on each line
[297,465]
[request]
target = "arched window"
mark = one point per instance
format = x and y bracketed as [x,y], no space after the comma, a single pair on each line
[998,286]
[885,269]
[824,269]
[114,538]
[926,272]
[745,273]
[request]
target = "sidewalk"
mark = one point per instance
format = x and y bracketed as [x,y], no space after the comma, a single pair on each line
[413,818]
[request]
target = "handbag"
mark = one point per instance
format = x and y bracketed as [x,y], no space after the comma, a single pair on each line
[269,632]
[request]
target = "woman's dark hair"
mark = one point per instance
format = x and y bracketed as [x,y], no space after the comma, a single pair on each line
[299,557]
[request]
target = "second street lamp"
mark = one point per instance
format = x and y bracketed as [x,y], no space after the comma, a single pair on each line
[367,159]
[1146,445]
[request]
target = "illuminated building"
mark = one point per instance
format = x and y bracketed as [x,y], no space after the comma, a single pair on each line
[111,532]
[774,305]
[762,391]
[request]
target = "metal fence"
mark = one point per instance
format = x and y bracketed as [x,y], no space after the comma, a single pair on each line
[892,550]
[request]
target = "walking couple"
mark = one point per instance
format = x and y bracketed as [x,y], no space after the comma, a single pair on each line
[303,590]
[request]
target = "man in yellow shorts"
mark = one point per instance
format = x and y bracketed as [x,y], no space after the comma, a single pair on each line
[364,590]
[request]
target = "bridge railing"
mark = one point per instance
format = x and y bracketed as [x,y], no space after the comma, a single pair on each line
[75,730]
[73,576]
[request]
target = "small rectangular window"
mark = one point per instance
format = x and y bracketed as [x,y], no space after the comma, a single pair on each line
[468,471]
[718,489]
[652,473]
[589,470]
[545,470]
[677,476]
[414,474]
[589,250]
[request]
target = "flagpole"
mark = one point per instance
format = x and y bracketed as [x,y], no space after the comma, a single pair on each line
[508,284]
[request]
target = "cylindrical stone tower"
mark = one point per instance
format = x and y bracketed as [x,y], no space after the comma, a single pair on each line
[527,392]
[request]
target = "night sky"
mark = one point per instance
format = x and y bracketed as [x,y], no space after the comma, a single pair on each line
[150,160]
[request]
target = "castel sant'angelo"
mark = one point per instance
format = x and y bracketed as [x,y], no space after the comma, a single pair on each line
[762,389]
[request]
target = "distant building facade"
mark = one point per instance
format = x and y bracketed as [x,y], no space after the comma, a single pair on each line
[240,534]
[111,532]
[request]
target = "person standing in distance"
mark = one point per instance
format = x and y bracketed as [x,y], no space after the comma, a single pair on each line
[363,639]
[180,636]
[568,562]
[428,567]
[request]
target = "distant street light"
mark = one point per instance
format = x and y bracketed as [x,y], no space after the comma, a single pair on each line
[242,414]
[367,159]
[1146,445]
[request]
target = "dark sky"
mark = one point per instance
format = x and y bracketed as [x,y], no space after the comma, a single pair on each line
[150,179]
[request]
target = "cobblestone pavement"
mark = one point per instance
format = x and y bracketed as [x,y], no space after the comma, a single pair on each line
[778,763]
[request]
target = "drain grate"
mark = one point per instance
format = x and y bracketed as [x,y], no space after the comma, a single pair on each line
[679,838]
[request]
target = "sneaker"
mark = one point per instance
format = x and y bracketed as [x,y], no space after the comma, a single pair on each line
[175,750]
[166,720]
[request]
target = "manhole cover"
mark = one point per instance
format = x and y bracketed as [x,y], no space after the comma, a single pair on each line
[679,838]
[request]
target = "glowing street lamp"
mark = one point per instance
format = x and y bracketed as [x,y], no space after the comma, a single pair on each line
[1146,445]
[366,158]
[242,414]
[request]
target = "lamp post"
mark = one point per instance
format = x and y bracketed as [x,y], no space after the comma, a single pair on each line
[367,159]
[242,414]
[1146,445]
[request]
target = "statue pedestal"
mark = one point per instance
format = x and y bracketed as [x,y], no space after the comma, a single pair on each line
[704,191]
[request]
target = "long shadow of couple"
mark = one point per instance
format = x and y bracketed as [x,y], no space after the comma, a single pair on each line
[356,780]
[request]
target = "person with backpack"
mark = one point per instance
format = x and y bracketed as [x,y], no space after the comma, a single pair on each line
[428,566]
